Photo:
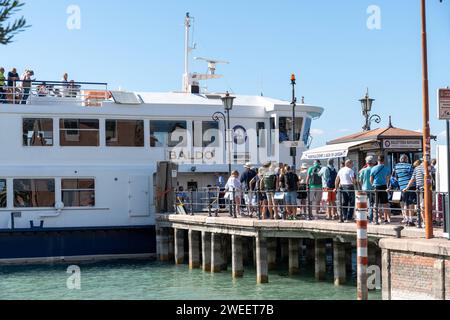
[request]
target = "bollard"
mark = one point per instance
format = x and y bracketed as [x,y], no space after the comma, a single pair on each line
[398,231]
[361,245]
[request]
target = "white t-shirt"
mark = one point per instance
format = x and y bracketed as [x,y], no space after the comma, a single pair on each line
[346,176]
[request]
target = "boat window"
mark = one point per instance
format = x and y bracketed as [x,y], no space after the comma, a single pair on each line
[2,193]
[78,192]
[79,132]
[260,134]
[286,128]
[206,134]
[168,133]
[307,131]
[34,193]
[37,132]
[124,133]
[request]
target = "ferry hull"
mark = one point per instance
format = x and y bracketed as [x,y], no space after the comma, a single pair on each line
[73,244]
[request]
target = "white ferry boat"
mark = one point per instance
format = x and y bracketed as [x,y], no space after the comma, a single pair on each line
[78,161]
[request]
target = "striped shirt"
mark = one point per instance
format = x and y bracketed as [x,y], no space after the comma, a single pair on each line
[419,176]
[403,173]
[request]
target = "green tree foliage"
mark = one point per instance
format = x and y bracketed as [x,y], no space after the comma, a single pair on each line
[9,29]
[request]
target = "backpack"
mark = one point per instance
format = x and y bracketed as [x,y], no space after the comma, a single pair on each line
[269,181]
[291,180]
[331,181]
[315,178]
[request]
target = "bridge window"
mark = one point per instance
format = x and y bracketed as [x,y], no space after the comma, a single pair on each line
[78,192]
[37,132]
[2,193]
[34,193]
[79,132]
[261,134]
[124,133]
[206,134]
[168,134]
[306,133]
[285,128]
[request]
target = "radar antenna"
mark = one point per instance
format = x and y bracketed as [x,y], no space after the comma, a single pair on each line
[212,64]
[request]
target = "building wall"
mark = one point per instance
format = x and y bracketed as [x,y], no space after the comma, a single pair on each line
[411,276]
[415,269]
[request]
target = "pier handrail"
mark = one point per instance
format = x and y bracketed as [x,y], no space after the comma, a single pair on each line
[253,203]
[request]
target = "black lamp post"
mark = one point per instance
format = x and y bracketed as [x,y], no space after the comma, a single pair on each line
[294,104]
[228,102]
[366,104]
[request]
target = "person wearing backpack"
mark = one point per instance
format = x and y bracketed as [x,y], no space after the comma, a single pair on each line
[291,181]
[314,183]
[269,184]
[328,175]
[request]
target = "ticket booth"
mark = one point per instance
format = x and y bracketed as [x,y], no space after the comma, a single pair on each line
[391,142]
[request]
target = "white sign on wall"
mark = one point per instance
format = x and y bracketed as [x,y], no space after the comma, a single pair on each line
[444,104]
[402,144]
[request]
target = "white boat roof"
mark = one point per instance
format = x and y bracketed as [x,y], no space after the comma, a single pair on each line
[213,99]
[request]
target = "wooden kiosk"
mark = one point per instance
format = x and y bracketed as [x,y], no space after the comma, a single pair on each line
[391,142]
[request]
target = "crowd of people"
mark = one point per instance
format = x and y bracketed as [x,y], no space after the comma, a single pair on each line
[278,191]
[15,89]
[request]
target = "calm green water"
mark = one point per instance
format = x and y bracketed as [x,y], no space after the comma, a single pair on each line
[152,280]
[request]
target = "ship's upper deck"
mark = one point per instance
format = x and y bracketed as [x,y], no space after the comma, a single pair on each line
[95,98]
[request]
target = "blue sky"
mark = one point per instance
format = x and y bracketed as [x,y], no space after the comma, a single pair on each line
[138,45]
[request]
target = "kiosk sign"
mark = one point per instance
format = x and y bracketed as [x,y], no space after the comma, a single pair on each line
[444,104]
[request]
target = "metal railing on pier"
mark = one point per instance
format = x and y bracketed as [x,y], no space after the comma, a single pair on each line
[310,204]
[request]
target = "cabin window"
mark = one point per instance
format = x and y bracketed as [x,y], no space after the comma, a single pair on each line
[260,134]
[285,128]
[206,134]
[37,132]
[34,193]
[2,193]
[78,192]
[124,133]
[306,133]
[79,132]
[168,134]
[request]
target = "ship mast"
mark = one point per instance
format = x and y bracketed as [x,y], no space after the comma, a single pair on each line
[187,49]
[191,80]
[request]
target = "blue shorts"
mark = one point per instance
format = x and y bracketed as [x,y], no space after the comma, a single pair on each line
[290,198]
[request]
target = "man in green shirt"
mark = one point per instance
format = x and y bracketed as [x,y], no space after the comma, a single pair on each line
[314,182]
[2,84]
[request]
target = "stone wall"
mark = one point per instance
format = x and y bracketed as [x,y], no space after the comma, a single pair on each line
[416,269]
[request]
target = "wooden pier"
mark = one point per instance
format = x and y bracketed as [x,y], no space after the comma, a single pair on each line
[214,242]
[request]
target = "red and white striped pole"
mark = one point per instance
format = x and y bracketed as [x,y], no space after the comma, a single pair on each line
[361,245]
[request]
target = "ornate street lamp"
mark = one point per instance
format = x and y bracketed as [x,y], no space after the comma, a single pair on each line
[228,102]
[366,105]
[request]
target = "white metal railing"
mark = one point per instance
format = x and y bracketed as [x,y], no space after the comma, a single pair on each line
[89,94]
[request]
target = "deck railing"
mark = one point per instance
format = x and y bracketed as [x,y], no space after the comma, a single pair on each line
[89,94]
